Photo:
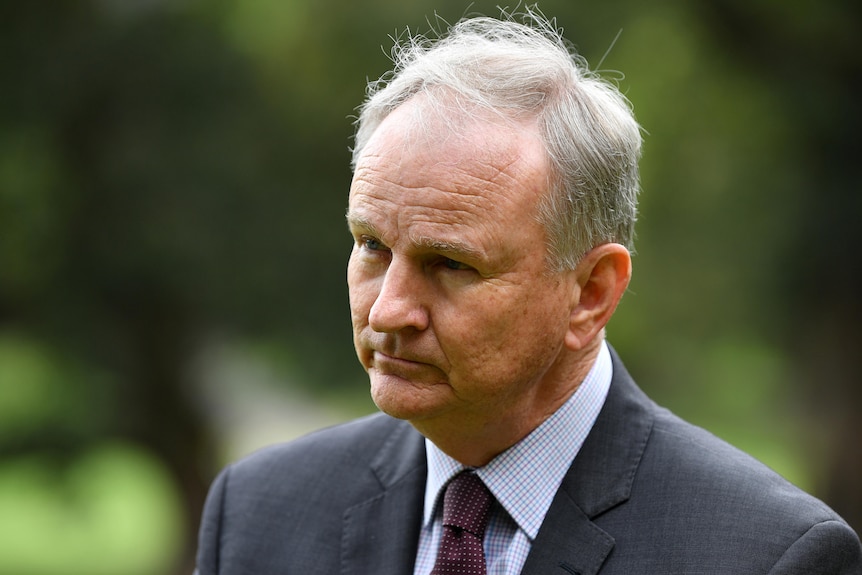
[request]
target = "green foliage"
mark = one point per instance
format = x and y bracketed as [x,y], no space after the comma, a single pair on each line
[112,511]
[47,400]
[171,171]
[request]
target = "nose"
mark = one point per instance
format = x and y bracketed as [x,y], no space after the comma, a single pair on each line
[398,305]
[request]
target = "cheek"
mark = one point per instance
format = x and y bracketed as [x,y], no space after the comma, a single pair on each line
[477,333]
[360,306]
[361,294]
[513,338]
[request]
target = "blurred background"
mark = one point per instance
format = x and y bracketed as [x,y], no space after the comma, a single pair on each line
[173,179]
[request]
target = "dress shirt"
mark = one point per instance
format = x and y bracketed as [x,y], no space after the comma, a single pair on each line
[523,479]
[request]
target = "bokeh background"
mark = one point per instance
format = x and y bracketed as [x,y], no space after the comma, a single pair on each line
[173,178]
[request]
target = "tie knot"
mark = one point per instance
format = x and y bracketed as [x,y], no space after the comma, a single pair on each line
[466,504]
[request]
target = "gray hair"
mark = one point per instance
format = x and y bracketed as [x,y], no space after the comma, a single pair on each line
[525,69]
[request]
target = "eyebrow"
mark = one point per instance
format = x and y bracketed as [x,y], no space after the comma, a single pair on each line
[459,250]
[356,221]
[454,248]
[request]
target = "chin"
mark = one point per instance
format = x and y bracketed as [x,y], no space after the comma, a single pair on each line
[403,399]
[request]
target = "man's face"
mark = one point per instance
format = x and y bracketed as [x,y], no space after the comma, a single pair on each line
[456,316]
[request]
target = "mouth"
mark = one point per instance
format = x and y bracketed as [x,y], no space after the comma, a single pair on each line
[381,359]
[403,368]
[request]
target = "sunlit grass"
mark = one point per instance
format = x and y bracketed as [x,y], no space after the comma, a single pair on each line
[112,511]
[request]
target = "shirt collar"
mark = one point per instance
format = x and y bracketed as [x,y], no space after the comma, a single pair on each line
[525,477]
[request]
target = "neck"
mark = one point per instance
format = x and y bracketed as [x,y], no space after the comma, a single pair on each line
[476,443]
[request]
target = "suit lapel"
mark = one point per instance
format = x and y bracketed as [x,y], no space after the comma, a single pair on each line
[568,542]
[381,534]
[600,478]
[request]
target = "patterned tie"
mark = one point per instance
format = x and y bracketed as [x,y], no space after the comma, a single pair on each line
[466,504]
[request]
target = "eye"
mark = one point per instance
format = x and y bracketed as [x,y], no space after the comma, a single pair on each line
[371,244]
[455,265]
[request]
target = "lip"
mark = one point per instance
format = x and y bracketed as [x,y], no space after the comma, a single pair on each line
[383,358]
[404,368]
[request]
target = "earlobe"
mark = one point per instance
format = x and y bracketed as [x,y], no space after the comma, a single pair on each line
[603,275]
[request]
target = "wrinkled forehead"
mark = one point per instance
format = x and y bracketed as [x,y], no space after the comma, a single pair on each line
[429,134]
[441,118]
[433,182]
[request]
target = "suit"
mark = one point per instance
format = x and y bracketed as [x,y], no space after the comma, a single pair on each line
[648,493]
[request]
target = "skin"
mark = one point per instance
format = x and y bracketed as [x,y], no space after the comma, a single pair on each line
[458,320]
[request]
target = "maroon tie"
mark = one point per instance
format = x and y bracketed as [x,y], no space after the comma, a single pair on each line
[466,504]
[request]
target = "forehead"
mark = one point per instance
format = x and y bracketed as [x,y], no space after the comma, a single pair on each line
[466,169]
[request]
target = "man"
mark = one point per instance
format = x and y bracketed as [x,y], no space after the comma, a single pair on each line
[492,208]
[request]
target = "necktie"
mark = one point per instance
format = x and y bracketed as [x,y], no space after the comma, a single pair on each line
[466,504]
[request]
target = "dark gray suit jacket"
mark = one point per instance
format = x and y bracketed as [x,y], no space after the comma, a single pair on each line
[648,493]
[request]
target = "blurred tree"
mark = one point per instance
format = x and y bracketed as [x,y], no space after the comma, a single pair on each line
[810,55]
[149,193]
[172,170]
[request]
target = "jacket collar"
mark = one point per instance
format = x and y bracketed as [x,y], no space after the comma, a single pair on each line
[381,534]
[600,478]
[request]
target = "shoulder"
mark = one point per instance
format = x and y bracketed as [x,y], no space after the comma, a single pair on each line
[285,503]
[334,451]
[721,501]
[695,460]
[680,464]
[351,439]
[332,467]
[691,499]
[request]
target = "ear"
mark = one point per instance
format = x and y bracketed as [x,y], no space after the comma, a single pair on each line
[602,275]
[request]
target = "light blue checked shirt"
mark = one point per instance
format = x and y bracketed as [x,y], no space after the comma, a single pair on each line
[523,479]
